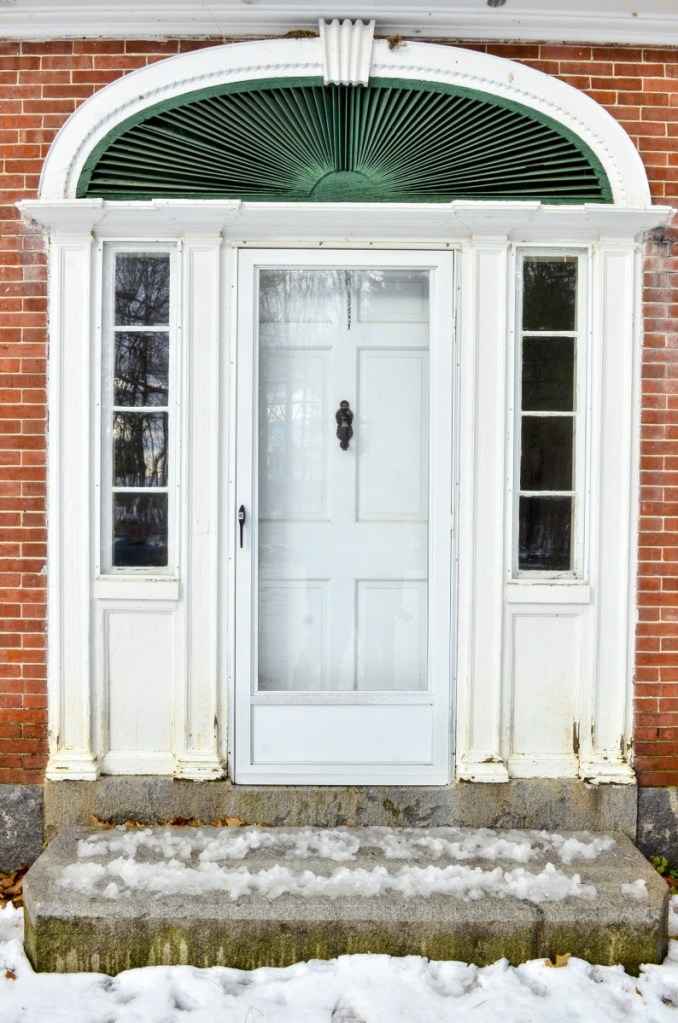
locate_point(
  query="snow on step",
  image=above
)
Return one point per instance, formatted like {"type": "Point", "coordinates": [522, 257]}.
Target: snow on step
{"type": "Point", "coordinates": [112, 899]}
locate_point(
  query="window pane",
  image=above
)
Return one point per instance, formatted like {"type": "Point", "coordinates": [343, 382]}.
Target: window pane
{"type": "Point", "coordinates": [139, 449]}
{"type": "Point", "coordinates": [141, 369]}
{"type": "Point", "coordinates": [549, 293]}
{"type": "Point", "coordinates": [140, 530]}
{"type": "Point", "coordinates": [141, 289]}
{"type": "Point", "coordinates": [548, 374]}
{"type": "Point", "coordinates": [545, 533]}
{"type": "Point", "coordinates": [546, 455]}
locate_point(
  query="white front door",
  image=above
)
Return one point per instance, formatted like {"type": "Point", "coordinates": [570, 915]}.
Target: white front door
{"type": "Point", "coordinates": [344, 488]}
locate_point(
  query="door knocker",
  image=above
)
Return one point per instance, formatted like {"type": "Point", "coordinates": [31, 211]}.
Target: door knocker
{"type": "Point", "coordinates": [344, 419]}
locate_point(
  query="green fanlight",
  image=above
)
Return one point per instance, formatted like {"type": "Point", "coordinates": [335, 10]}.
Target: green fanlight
{"type": "Point", "coordinates": [287, 140]}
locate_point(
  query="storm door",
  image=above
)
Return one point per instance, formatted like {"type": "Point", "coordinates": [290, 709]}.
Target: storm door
{"type": "Point", "coordinates": [343, 517]}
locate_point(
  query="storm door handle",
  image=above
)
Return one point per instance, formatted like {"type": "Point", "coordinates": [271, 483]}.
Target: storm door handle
{"type": "Point", "coordinates": [242, 515]}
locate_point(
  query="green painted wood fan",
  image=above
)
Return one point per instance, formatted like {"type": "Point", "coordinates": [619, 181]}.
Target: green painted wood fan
{"type": "Point", "coordinates": [295, 140]}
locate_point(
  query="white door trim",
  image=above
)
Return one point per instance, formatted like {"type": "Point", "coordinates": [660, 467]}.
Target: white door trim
{"type": "Point", "coordinates": [439, 770]}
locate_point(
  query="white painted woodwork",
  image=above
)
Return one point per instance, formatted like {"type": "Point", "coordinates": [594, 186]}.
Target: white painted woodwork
{"type": "Point", "coordinates": [196, 695]}
{"type": "Point", "coordinates": [341, 549]}
{"type": "Point", "coordinates": [482, 552]}
{"type": "Point", "coordinates": [533, 658]}
{"type": "Point", "coordinates": [347, 51]}
{"type": "Point", "coordinates": [494, 687]}
{"type": "Point", "coordinates": [70, 507]}
{"type": "Point", "coordinates": [139, 679]}
{"type": "Point", "coordinates": [652, 22]}
{"type": "Point", "coordinates": [545, 689]}
{"type": "Point", "coordinates": [283, 58]}
{"type": "Point", "coordinates": [391, 741]}
{"type": "Point", "coordinates": [615, 427]}
{"type": "Point", "coordinates": [346, 225]}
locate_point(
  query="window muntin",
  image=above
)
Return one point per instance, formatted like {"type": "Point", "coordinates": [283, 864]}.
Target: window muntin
{"type": "Point", "coordinates": [139, 422]}
{"type": "Point", "coordinates": [549, 390]}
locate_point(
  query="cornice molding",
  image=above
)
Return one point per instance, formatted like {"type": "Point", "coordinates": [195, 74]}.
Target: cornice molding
{"type": "Point", "coordinates": [652, 22]}
{"type": "Point", "coordinates": [362, 223]}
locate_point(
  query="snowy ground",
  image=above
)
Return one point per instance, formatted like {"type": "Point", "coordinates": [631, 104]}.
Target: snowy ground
{"type": "Point", "coordinates": [352, 989]}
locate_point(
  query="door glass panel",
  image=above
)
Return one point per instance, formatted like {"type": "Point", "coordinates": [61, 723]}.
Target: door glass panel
{"type": "Point", "coordinates": [343, 521]}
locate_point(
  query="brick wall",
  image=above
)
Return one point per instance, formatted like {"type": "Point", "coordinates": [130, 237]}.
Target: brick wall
{"type": "Point", "coordinates": [40, 85]}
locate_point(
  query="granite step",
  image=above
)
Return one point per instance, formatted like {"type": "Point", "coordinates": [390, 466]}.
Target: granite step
{"type": "Point", "coordinates": [108, 900]}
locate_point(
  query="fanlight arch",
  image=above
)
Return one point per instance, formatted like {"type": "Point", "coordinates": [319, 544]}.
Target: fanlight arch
{"type": "Point", "coordinates": [253, 121]}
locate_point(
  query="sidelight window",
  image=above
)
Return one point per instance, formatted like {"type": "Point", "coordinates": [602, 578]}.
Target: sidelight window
{"type": "Point", "coordinates": [138, 421]}
{"type": "Point", "coordinates": [549, 429]}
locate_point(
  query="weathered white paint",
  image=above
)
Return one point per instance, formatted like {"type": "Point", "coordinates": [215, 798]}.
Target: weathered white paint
{"type": "Point", "coordinates": [482, 555]}
{"type": "Point", "coordinates": [614, 429]}
{"type": "Point", "coordinates": [347, 51]}
{"type": "Point", "coordinates": [544, 691]}
{"type": "Point", "coordinates": [308, 225]}
{"type": "Point", "coordinates": [649, 22]}
{"type": "Point", "coordinates": [70, 507]}
{"type": "Point", "coordinates": [139, 678]}
{"type": "Point", "coordinates": [196, 696]}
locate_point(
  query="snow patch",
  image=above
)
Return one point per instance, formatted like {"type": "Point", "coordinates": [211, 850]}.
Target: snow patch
{"type": "Point", "coordinates": [636, 890]}
{"type": "Point", "coordinates": [123, 876]}
{"type": "Point", "coordinates": [341, 844]}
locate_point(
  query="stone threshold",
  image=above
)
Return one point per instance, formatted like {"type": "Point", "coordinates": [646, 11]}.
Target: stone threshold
{"type": "Point", "coordinates": [541, 803]}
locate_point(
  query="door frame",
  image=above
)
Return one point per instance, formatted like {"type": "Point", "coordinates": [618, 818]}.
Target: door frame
{"type": "Point", "coordinates": [443, 490]}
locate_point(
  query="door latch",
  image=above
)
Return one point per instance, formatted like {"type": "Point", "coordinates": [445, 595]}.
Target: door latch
{"type": "Point", "coordinates": [242, 515]}
{"type": "Point", "coordinates": [344, 418]}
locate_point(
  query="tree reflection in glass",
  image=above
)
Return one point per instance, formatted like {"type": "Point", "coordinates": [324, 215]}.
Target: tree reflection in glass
{"type": "Point", "coordinates": [140, 449]}
{"type": "Point", "coordinates": [141, 288]}
{"type": "Point", "coordinates": [140, 530]}
{"type": "Point", "coordinates": [139, 411]}
{"type": "Point", "coordinates": [141, 369]}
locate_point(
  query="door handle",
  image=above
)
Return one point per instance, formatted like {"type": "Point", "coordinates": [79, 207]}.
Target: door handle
{"type": "Point", "coordinates": [242, 515]}
{"type": "Point", "coordinates": [344, 418]}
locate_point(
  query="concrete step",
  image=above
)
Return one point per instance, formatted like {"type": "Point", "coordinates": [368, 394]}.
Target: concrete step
{"type": "Point", "coordinates": [112, 899]}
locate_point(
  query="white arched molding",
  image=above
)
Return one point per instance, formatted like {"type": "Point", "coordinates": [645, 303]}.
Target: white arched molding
{"type": "Point", "coordinates": [283, 58]}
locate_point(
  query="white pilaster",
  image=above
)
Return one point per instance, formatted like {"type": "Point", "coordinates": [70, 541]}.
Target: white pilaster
{"type": "Point", "coordinates": [197, 696]}
{"type": "Point", "coordinates": [481, 538]}
{"type": "Point", "coordinates": [614, 432]}
{"type": "Point", "coordinates": [70, 534]}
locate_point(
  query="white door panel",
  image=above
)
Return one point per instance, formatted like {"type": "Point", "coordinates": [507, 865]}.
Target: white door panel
{"type": "Point", "coordinates": [341, 549]}
{"type": "Point", "coordinates": [381, 736]}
